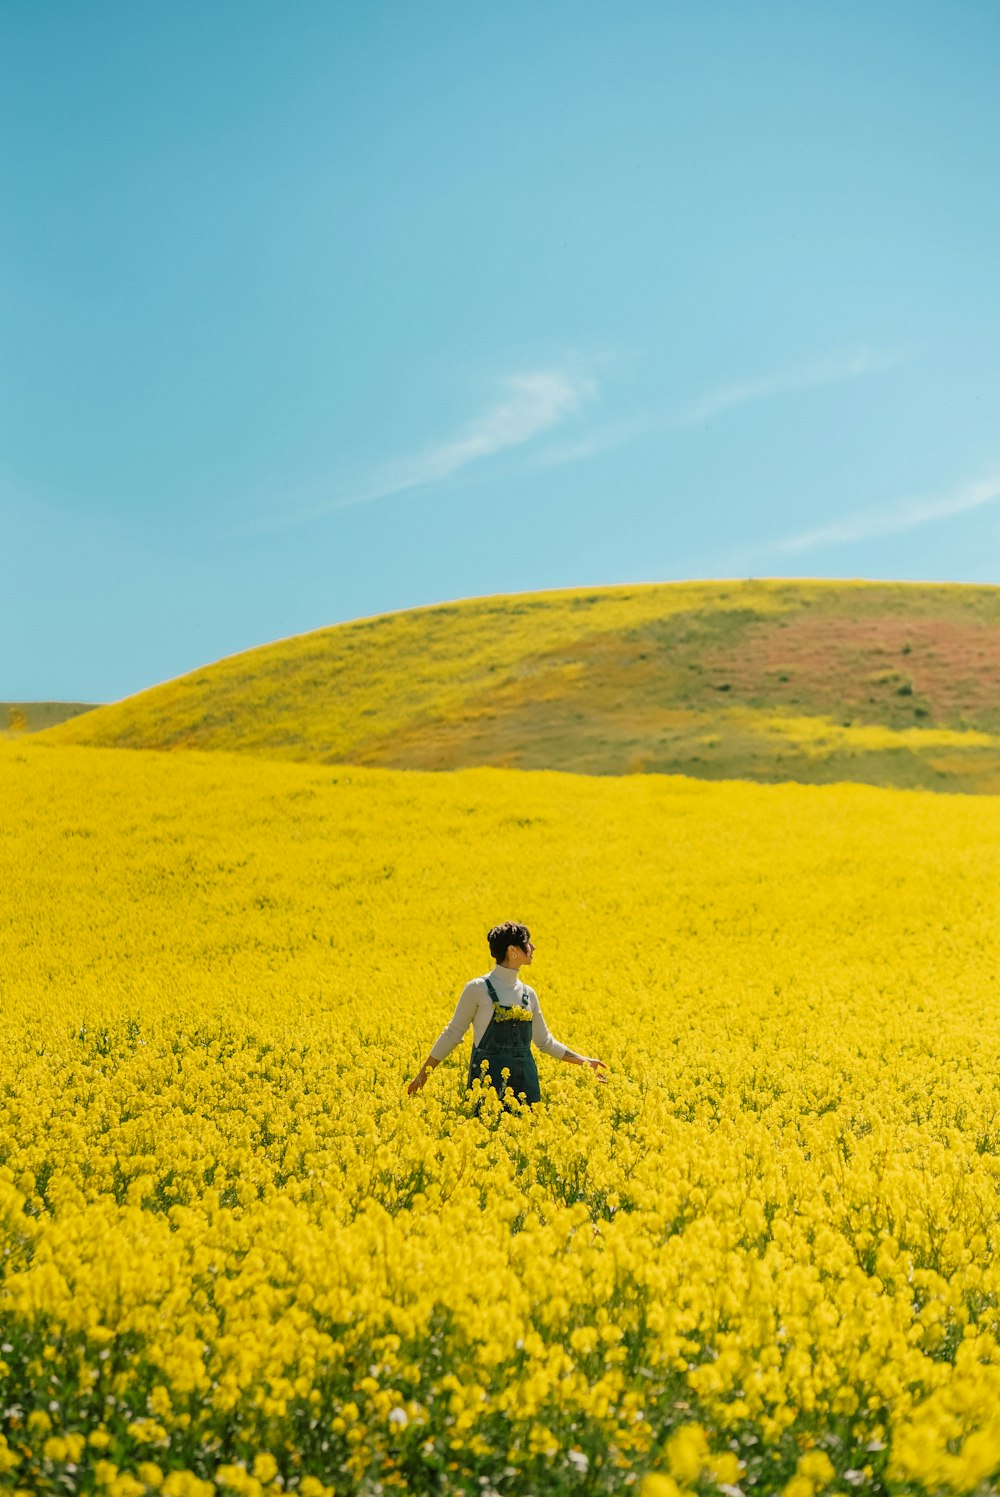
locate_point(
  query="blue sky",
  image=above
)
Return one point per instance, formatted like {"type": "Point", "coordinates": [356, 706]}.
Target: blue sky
{"type": "Point", "coordinates": [316, 310]}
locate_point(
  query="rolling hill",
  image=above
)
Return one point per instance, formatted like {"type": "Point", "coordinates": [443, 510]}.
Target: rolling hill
{"type": "Point", "coordinates": [883, 683]}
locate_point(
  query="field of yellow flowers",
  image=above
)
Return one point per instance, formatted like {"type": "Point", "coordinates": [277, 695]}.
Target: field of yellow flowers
{"type": "Point", "coordinates": [238, 1259]}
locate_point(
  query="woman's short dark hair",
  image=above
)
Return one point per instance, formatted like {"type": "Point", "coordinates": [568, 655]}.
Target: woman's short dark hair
{"type": "Point", "coordinates": [508, 934]}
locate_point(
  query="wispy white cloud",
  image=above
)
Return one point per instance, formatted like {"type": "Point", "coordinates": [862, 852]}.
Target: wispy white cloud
{"type": "Point", "coordinates": [600, 439]}
{"type": "Point", "coordinates": [834, 369]}
{"type": "Point", "coordinates": [529, 403]}
{"type": "Point", "coordinates": [890, 519]}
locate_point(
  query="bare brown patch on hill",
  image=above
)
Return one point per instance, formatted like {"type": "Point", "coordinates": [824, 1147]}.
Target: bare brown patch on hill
{"type": "Point", "coordinates": [938, 672]}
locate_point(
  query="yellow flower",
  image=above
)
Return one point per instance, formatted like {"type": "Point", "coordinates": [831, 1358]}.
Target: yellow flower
{"type": "Point", "coordinates": [8, 1458]}
{"type": "Point", "coordinates": [125, 1485]}
{"type": "Point", "coordinates": [816, 1466]}
{"type": "Point", "coordinates": [658, 1485]}
{"type": "Point", "coordinates": [687, 1453]}
{"type": "Point", "coordinates": [265, 1467]}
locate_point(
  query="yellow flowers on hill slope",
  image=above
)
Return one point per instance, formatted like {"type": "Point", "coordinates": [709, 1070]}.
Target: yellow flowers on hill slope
{"type": "Point", "coordinates": [238, 1259]}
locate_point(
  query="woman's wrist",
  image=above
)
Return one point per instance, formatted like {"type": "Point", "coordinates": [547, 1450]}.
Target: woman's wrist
{"type": "Point", "coordinates": [584, 1060]}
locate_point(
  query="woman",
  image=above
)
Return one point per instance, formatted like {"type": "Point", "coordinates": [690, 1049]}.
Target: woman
{"type": "Point", "coordinates": [505, 1018]}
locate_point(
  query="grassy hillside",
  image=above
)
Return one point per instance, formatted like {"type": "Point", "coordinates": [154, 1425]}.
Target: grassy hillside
{"type": "Point", "coordinates": [886, 683]}
{"type": "Point", "coordinates": [32, 717]}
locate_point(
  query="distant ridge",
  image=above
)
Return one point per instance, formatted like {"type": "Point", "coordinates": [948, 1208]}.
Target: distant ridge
{"type": "Point", "coordinates": [886, 683]}
{"type": "Point", "coordinates": [32, 717]}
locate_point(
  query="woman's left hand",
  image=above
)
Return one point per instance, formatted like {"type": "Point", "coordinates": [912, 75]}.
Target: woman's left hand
{"type": "Point", "coordinates": [596, 1065]}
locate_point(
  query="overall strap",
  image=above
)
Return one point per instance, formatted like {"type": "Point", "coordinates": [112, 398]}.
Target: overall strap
{"type": "Point", "coordinates": [493, 996]}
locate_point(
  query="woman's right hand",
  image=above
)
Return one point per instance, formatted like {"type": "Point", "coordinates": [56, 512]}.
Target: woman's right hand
{"type": "Point", "coordinates": [429, 1065]}
{"type": "Point", "coordinates": [418, 1082]}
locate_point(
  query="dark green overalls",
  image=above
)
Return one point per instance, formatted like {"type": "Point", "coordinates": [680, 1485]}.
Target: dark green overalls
{"type": "Point", "coordinates": [506, 1045]}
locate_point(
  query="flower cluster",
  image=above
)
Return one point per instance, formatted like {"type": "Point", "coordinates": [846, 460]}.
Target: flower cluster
{"type": "Point", "coordinates": [238, 1258]}
{"type": "Point", "coordinates": [502, 1013]}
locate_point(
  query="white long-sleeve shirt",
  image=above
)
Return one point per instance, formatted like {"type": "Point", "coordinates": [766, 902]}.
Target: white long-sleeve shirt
{"type": "Point", "coordinates": [475, 1007]}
